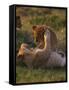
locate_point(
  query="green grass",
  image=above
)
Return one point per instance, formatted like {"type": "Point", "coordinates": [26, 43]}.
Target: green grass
{"type": "Point", "coordinates": [55, 18]}
{"type": "Point", "coordinates": [25, 75]}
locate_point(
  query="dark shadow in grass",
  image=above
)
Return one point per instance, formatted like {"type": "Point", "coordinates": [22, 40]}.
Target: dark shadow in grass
{"type": "Point", "coordinates": [21, 64]}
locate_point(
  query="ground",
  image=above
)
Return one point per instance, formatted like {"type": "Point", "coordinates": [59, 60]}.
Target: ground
{"type": "Point", "coordinates": [56, 19]}
{"type": "Point", "coordinates": [25, 75]}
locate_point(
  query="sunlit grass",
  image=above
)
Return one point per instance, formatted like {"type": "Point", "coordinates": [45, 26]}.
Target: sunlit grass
{"type": "Point", "coordinates": [55, 19]}
{"type": "Point", "coordinates": [25, 75]}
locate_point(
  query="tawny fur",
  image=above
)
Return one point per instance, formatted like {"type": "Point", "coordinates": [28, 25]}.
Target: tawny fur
{"type": "Point", "coordinates": [56, 60]}
{"type": "Point", "coordinates": [38, 33]}
{"type": "Point", "coordinates": [42, 58]}
{"type": "Point", "coordinates": [37, 57]}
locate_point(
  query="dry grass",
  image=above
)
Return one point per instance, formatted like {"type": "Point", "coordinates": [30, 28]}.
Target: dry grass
{"type": "Point", "coordinates": [55, 18]}
{"type": "Point", "coordinates": [24, 75]}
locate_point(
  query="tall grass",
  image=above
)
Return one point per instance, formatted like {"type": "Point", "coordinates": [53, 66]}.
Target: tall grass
{"type": "Point", "coordinates": [25, 75]}
{"type": "Point", "coordinates": [56, 19]}
{"type": "Point", "coordinates": [55, 22]}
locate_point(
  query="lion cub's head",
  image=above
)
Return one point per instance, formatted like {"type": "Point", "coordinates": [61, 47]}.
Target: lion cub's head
{"type": "Point", "coordinates": [38, 33]}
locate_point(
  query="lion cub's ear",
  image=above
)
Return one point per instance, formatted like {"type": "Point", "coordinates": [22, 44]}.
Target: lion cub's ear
{"type": "Point", "coordinates": [34, 27]}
